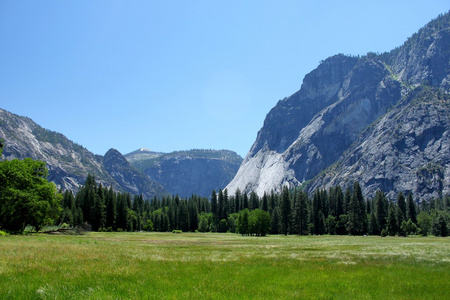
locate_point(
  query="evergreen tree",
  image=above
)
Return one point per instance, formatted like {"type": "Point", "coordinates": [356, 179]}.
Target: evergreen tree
{"type": "Point", "coordinates": [316, 211]}
{"type": "Point", "coordinates": [193, 216]}
{"type": "Point", "coordinates": [391, 223]}
{"type": "Point", "coordinates": [226, 205]}
{"type": "Point", "coordinates": [411, 209]}
{"type": "Point", "coordinates": [237, 201]}
{"type": "Point", "coordinates": [339, 199]}
{"type": "Point", "coordinates": [356, 212]}
{"type": "Point", "coordinates": [111, 209]}
{"type": "Point", "coordinates": [275, 219]}
{"type": "Point", "coordinates": [303, 210]}
{"type": "Point", "coordinates": [439, 226]}
{"type": "Point", "coordinates": [373, 224]}
{"type": "Point", "coordinates": [244, 201]}
{"type": "Point", "coordinates": [122, 212]}
{"type": "Point", "coordinates": [381, 211]}
{"type": "Point", "coordinates": [265, 202]}
{"type": "Point", "coordinates": [347, 198]}
{"type": "Point", "coordinates": [285, 210]}
{"type": "Point", "coordinates": [214, 210]}
{"type": "Point", "coordinates": [220, 206]}
{"type": "Point", "coordinates": [254, 201]}
{"type": "Point", "coordinates": [183, 217]}
{"type": "Point", "coordinates": [98, 210]}
{"type": "Point", "coordinates": [401, 209]}
{"type": "Point", "coordinates": [243, 225]}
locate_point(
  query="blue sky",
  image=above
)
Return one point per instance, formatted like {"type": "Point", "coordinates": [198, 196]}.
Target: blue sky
{"type": "Point", "coordinates": [179, 75]}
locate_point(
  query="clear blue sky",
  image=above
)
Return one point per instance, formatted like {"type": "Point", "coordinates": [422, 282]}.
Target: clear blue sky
{"type": "Point", "coordinates": [179, 75]}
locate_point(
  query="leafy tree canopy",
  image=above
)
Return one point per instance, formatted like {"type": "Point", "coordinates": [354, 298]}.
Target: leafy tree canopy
{"type": "Point", "coordinates": [26, 196]}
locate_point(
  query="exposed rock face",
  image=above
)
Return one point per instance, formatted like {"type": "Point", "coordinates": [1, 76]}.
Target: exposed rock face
{"type": "Point", "coordinates": [184, 173]}
{"type": "Point", "coordinates": [129, 178]}
{"type": "Point", "coordinates": [407, 150]}
{"type": "Point", "coordinates": [305, 134]}
{"type": "Point", "coordinates": [188, 172]}
{"type": "Point", "coordinates": [68, 163]}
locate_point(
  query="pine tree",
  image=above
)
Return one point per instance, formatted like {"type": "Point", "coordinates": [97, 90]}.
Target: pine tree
{"type": "Point", "coordinates": [226, 205]}
{"type": "Point", "coordinates": [391, 223]}
{"type": "Point", "coordinates": [401, 209]}
{"type": "Point", "coordinates": [254, 201]}
{"type": "Point", "coordinates": [122, 212]}
{"type": "Point", "coordinates": [356, 212]}
{"type": "Point", "coordinates": [339, 199]}
{"type": "Point", "coordinates": [243, 222]}
{"type": "Point", "coordinates": [373, 224]}
{"type": "Point", "coordinates": [316, 211]}
{"type": "Point", "coordinates": [214, 210]}
{"type": "Point", "coordinates": [265, 202]}
{"type": "Point", "coordinates": [244, 201]}
{"type": "Point", "coordinates": [220, 206]}
{"type": "Point", "coordinates": [347, 198]}
{"type": "Point", "coordinates": [111, 209]}
{"type": "Point", "coordinates": [411, 209]}
{"type": "Point", "coordinates": [275, 220]}
{"type": "Point", "coordinates": [381, 211]}
{"type": "Point", "coordinates": [237, 201]}
{"type": "Point", "coordinates": [285, 210]}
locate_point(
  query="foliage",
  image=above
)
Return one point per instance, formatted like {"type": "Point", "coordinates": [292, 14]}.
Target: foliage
{"type": "Point", "coordinates": [292, 212]}
{"type": "Point", "coordinates": [26, 196]}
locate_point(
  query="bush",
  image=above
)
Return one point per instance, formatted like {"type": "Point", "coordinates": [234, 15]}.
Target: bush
{"type": "Point", "coordinates": [149, 225]}
{"type": "Point", "coordinates": [2, 233]}
{"type": "Point", "coordinates": [383, 233]}
{"type": "Point", "coordinates": [64, 226]}
{"type": "Point", "coordinates": [176, 231]}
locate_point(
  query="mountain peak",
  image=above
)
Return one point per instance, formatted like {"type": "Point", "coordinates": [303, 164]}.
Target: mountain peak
{"type": "Point", "coordinates": [313, 129]}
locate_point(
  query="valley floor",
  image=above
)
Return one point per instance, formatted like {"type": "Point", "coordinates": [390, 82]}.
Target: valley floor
{"type": "Point", "coordinates": [222, 266]}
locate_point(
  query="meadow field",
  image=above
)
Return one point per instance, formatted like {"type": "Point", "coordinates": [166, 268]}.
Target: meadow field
{"type": "Point", "coordinates": [222, 266]}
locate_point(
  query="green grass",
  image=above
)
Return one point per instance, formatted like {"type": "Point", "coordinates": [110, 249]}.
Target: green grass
{"type": "Point", "coordinates": [222, 266]}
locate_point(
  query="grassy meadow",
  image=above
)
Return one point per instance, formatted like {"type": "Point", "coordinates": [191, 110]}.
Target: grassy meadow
{"type": "Point", "coordinates": [222, 266]}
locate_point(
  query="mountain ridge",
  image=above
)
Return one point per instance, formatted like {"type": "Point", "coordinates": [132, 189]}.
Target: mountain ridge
{"type": "Point", "coordinates": [306, 133]}
{"type": "Point", "coordinates": [69, 163]}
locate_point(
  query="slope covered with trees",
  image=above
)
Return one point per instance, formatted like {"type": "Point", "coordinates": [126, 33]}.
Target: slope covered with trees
{"type": "Point", "coordinates": [332, 211]}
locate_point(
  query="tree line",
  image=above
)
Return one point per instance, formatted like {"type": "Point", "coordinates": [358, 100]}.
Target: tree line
{"type": "Point", "coordinates": [333, 211]}
{"type": "Point", "coordinates": [27, 198]}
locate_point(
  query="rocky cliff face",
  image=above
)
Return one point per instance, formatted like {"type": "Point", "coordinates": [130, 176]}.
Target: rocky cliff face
{"type": "Point", "coordinates": [68, 163]}
{"type": "Point", "coordinates": [129, 178]}
{"type": "Point", "coordinates": [317, 127]}
{"type": "Point", "coordinates": [407, 150]}
{"type": "Point", "coordinates": [188, 172]}
{"type": "Point", "coordinates": [140, 172]}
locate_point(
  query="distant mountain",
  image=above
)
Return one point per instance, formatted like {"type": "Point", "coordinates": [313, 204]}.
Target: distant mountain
{"type": "Point", "coordinates": [129, 178]}
{"type": "Point", "coordinates": [188, 172]}
{"type": "Point", "coordinates": [380, 119]}
{"type": "Point", "coordinates": [68, 162]}
{"type": "Point", "coordinates": [140, 172]}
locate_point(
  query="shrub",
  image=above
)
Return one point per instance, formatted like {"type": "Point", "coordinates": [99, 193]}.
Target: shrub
{"type": "Point", "coordinates": [176, 231]}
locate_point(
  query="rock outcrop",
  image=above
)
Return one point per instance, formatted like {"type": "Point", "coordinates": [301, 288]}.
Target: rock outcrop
{"type": "Point", "coordinates": [188, 172]}
{"type": "Point", "coordinates": [140, 172]}
{"type": "Point", "coordinates": [314, 131]}
{"type": "Point", "coordinates": [68, 162]}
{"type": "Point", "coordinates": [129, 178]}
